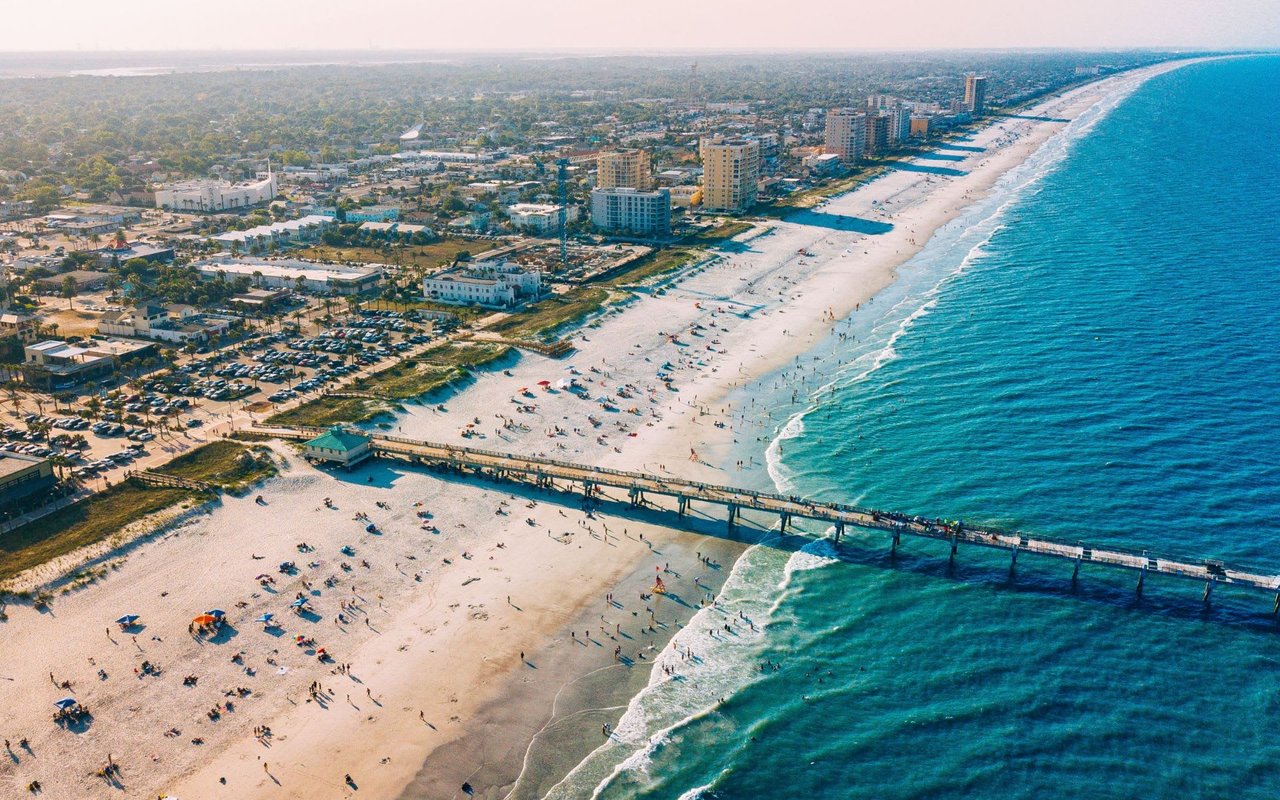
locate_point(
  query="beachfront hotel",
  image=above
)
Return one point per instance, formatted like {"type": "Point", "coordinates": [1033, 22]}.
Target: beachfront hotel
{"type": "Point", "coordinates": [975, 94]}
{"type": "Point", "coordinates": [623, 169]}
{"type": "Point", "coordinates": [626, 209]}
{"type": "Point", "coordinates": [846, 134]}
{"type": "Point", "coordinates": [730, 173]}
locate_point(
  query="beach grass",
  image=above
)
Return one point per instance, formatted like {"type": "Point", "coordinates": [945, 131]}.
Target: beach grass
{"type": "Point", "coordinates": [326, 411]}
{"type": "Point", "coordinates": [428, 255]}
{"type": "Point", "coordinates": [230, 465]}
{"type": "Point", "coordinates": [88, 522]}
{"type": "Point", "coordinates": [433, 369]}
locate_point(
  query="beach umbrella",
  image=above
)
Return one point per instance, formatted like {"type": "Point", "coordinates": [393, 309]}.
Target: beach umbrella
{"type": "Point", "coordinates": [127, 619]}
{"type": "Point", "coordinates": [65, 703]}
{"type": "Point", "coordinates": [544, 383]}
{"type": "Point", "coordinates": [204, 619]}
{"type": "Point", "coordinates": [265, 619]}
{"type": "Point", "coordinates": [217, 612]}
{"type": "Point", "coordinates": [299, 603]}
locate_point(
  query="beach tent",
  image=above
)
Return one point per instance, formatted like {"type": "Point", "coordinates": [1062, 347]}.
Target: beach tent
{"type": "Point", "coordinates": [66, 702]}
{"type": "Point", "coordinates": [128, 619]}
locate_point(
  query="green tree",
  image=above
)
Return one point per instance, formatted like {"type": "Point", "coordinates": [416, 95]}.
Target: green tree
{"type": "Point", "coordinates": [69, 288]}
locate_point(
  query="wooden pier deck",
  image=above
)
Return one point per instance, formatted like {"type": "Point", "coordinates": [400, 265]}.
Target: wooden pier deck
{"type": "Point", "coordinates": [638, 485]}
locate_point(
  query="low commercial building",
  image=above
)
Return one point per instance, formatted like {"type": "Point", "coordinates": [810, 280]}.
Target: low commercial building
{"type": "Point", "coordinates": [174, 323]}
{"type": "Point", "coordinates": [396, 228]}
{"type": "Point", "coordinates": [262, 237]}
{"type": "Point", "coordinates": [57, 365]}
{"type": "Point", "coordinates": [823, 165]}
{"type": "Point", "coordinates": [539, 217]}
{"type": "Point", "coordinates": [498, 284]}
{"type": "Point", "coordinates": [23, 478]}
{"type": "Point", "coordinates": [86, 280]}
{"type": "Point", "coordinates": [363, 213]}
{"type": "Point", "coordinates": [208, 195]}
{"type": "Point", "coordinates": [259, 299]}
{"type": "Point", "coordinates": [632, 210]}
{"type": "Point", "coordinates": [131, 250]}
{"type": "Point", "coordinates": [287, 273]}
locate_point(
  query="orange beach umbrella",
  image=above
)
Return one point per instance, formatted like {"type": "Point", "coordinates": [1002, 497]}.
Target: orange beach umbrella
{"type": "Point", "coordinates": [204, 619]}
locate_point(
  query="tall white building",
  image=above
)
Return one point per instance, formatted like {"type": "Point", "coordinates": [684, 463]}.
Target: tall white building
{"type": "Point", "coordinates": [626, 209]}
{"type": "Point", "coordinates": [899, 123]}
{"type": "Point", "coordinates": [846, 134]}
{"type": "Point", "coordinates": [208, 195]}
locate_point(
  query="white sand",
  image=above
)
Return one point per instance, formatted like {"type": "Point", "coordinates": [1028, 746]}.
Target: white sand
{"type": "Point", "coordinates": [447, 646]}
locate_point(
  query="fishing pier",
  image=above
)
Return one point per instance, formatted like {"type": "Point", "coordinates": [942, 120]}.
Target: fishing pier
{"type": "Point", "coordinates": [639, 487]}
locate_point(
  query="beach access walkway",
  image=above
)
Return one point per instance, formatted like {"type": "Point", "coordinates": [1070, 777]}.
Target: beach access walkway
{"type": "Point", "coordinates": [639, 486]}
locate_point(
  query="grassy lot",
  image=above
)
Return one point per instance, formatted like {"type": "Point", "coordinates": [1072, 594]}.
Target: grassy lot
{"type": "Point", "coordinates": [228, 464]}
{"type": "Point", "coordinates": [556, 311]}
{"type": "Point", "coordinates": [716, 235]}
{"type": "Point", "coordinates": [427, 255]}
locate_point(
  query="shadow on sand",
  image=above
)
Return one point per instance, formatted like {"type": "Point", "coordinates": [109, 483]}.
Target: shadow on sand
{"type": "Point", "coordinates": [1032, 117]}
{"type": "Point", "coordinates": [839, 222]}
{"type": "Point", "coordinates": [930, 169]}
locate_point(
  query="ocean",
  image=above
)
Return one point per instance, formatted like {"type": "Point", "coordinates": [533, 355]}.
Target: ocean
{"type": "Point", "coordinates": [1091, 352]}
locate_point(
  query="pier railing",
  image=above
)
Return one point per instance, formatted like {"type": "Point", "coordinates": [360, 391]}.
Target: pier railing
{"type": "Point", "coordinates": [545, 471]}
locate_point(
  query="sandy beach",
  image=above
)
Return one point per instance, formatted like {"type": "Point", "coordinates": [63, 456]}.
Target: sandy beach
{"type": "Point", "coordinates": [492, 632]}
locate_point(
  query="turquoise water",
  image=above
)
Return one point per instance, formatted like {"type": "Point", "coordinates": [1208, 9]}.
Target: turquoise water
{"type": "Point", "coordinates": [1092, 353]}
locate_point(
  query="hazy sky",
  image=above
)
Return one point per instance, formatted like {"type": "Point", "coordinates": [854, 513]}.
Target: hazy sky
{"type": "Point", "coordinates": [632, 24]}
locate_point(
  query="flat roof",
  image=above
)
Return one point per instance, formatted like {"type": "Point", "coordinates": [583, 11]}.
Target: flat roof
{"type": "Point", "coordinates": [291, 269]}
{"type": "Point", "coordinates": [11, 463]}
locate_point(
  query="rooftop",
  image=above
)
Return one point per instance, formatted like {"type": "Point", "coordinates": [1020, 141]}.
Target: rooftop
{"type": "Point", "coordinates": [336, 438]}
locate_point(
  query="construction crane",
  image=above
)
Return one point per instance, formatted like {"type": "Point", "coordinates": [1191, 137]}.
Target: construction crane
{"type": "Point", "coordinates": [562, 175]}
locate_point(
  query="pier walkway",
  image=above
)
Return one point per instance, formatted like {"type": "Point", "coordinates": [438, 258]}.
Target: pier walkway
{"type": "Point", "coordinates": [839, 517]}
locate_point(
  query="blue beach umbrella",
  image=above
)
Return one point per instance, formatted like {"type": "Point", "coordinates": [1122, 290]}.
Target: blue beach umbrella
{"type": "Point", "coordinates": [265, 618]}
{"type": "Point", "coordinates": [299, 603]}
{"type": "Point", "coordinates": [127, 619]}
{"type": "Point", "coordinates": [217, 612]}
{"type": "Point", "coordinates": [65, 703]}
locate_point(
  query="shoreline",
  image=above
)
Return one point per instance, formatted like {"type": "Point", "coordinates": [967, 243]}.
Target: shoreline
{"type": "Point", "coordinates": [446, 646]}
